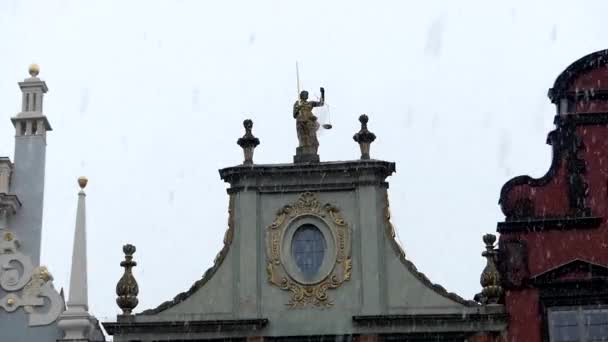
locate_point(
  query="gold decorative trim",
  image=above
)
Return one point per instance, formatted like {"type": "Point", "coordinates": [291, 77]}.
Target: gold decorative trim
{"type": "Point", "coordinates": [303, 295]}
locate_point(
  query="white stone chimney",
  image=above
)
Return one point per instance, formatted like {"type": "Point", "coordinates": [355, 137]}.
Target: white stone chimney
{"type": "Point", "coordinates": [27, 178]}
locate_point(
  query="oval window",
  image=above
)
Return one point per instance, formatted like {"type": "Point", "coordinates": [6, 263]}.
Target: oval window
{"type": "Point", "coordinates": [308, 249]}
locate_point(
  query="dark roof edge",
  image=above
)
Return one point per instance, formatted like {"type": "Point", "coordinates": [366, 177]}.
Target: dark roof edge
{"type": "Point", "coordinates": [536, 224]}
{"type": "Point", "coordinates": [593, 60]}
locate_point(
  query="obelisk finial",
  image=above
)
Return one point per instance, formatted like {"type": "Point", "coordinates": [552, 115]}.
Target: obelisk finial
{"type": "Point", "coordinates": [76, 320]}
{"type": "Point", "coordinates": [82, 182]}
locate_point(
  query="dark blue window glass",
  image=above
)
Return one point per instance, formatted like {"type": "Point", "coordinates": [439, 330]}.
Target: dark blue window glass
{"type": "Point", "coordinates": [308, 248]}
{"type": "Point", "coordinates": [582, 323]}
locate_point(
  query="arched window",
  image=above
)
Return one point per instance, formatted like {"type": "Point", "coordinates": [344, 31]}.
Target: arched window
{"type": "Point", "coordinates": [308, 249]}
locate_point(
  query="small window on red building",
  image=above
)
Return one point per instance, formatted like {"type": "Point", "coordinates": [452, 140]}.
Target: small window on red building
{"type": "Point", "coordinates": [578, 324]}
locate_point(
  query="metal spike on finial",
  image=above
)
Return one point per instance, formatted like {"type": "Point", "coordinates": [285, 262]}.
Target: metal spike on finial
{"type": "Point", "coordinates": [364, 137]}
{"type": "Point", "coordinates": [248, 142]}
{"type": "Point", "coordinates": [34, 70]}
{"type": "Point", "coordinates": [492, 290]}
{"type": "Point", "coordinates": [127, 288]}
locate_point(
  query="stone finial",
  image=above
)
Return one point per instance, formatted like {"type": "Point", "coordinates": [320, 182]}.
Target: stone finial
{"type": "Point", "coordinates": [492, 290]}
{"type": "Point", "coordinates": [248, 142]}
{"type": "Point", "coordinates": [364, 137]}
{"type": "Point", "coordinates": [127, 288]}
{"type": "Point", "coordinates": [34, 70]}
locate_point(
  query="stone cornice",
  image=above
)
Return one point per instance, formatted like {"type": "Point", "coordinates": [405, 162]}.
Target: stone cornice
{"type": "Point", "coordinates": [9, 202]}
{"type": "Point", "coordinates": [131, 327]}
{"type": "Point", "coordinates": [354, 171]}
{"type": "Point", "coordinates": [474, 321]}
{"type": "Point", "coordinates": [32, 116]}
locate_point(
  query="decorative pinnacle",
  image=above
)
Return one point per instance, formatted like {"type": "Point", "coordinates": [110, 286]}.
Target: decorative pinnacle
{"type": "Point", "coordinates": [129, 250]}
{"type": "Point", "coordinates": [489, 240]}
{"type": "Point", "coordinates": [363, 119]}
{"type": "Point", "coordinates": [82, 182]}
{"type": "Point", "coordinates": [248, 139]}
{"type": "Point", "coordinates": [492, 290]}
{"type": "Point", "coordinates": [127, 288]}
{"type": "Point", "coordinates": [34, 70]}
{"type": "Point", "coordinates": [364, 137]}
{"type": "Point", "coordinates": [248, 142]}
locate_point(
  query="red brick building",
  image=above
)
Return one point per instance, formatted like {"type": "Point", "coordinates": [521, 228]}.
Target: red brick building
{"type": "Point", "coordinates": [553, 253]}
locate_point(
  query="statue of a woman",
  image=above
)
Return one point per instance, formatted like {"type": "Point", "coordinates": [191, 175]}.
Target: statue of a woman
{"type": "Point", "coordinates": [306, 122]}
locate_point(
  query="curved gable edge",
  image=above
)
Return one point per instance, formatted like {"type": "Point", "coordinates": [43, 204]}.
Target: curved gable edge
{"type": "Point", "coordinates": [533, 182]}
{"type": "Point", "coordinates": [396, 247]}
{"type": "Point", "coordinates": [591, 61]}
{"type": "Point", "coordinates": [217, 262]}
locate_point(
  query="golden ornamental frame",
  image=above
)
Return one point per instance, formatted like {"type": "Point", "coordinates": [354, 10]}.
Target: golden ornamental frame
{"type": "Point", "coordinates": [315, 294]}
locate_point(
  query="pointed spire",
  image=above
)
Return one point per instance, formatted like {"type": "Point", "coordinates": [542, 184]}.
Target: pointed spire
{"type": "Point", "coordinates": [78, 296]}
{"type": "Point", "coordinates": [76, 320]}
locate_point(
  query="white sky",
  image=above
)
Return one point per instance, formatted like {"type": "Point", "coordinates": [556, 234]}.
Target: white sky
{"type": "Point", "coordinates": [147, 98]}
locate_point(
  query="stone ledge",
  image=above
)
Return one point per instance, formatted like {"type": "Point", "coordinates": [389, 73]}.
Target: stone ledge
{"type": "Point", "coordinates": [548, 223]}
{"type": "Point", "coordinates": [9, 202]}
{"type": "Point", "coordinates": [128, 326]}
{"type": "Point", "coordinates": [494, 320]}
{"type": "Point", "coordinates": [343, 170]}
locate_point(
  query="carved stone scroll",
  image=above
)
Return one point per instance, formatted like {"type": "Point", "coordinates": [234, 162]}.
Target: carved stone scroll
{"type": "Point", "coordinates": [26, 286]}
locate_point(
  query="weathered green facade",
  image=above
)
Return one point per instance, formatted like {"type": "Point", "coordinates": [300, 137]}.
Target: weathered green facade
{"type": "Point", "coordinates": [364, 287]}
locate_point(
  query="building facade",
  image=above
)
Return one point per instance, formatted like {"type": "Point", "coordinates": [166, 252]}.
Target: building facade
{"type": "Point", "coordinates": [310, 252]}
{"type": "Point", "coordinates": [31, 308]}
{"type": "Point", "coordinates": [554, 240]}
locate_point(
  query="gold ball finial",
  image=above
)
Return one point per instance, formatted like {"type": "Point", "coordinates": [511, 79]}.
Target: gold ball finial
{"type": "Point", "coordinates": [34, 70]}
{"type": "Point", "coordinates": [82, 182]}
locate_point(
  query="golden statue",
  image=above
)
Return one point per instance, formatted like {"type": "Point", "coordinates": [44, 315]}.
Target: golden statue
{"type": "Point", "coordinates": [306, 122]}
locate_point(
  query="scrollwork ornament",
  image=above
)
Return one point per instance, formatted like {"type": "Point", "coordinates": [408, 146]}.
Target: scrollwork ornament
{"type": "Point", "coordinates": [27, 286]}
{"type": "Point", "coordinates": [12, 276]}
{"type": "Point", "coordinates": [41, 286]}
{"type": "Point", "coordinates": [303, 295]}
